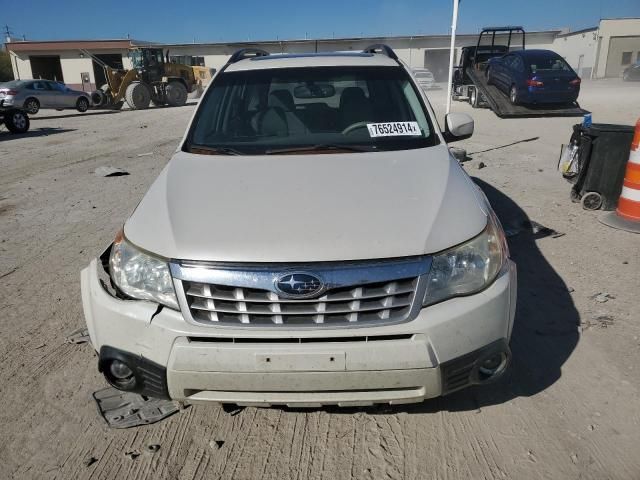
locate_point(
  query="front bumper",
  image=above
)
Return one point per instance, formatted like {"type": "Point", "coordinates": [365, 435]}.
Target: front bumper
{"type": "Point", "coordinates": [435, 353]}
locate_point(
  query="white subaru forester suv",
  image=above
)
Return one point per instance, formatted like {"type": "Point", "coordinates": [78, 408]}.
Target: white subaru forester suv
{"type": "Point", "coordinates": [312, 241]}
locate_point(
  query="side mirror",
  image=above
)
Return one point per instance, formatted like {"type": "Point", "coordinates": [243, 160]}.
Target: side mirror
{"type": "Point", "coordinates": [457, 126]}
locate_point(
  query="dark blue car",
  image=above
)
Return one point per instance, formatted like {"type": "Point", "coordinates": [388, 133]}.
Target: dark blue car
{"type": "Point", "coordinates": [534, 77]}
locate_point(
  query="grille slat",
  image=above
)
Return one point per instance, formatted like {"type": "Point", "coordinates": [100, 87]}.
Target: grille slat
{"type": "Point", "coordinates": [195, 290]}
{"type": "Point", "coordinates": [220, 304]}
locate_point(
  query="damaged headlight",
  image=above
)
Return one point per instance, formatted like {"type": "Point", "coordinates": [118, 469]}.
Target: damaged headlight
{"type": "Point", "coordinates": [468, 268]}
{"type": "Point", "coordinates": [140, 275]}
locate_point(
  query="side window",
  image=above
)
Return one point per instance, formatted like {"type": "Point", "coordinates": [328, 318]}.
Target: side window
{"type": "Point", "coordinates": [518, 64]}
{"type": "Point", "coordinates": [39, 86]}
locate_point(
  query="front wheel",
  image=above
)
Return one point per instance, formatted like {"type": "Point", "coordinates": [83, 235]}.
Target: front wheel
{"type": "Point", "coordinates": [138, 96]}
{"type": "Point", "coordinates": [176, 94]}
{"type": "Point", "coordinates": [82, 105]}
{"type": "Point", "coordinates": [32, 105]}
{"type": "Point", "coordinates": [513, 95]}
{"type": "Point", "coordinates": [17, 121]}
{"type": "Point", "coordinates": [473, 98]}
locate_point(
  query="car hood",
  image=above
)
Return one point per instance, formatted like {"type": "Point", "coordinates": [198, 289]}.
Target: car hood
{"type": "Point", "coordinates": [303, 208]}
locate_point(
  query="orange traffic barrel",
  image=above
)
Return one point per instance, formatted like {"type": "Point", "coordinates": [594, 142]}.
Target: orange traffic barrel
{"type": "Point", "coordinates": [627, 215]}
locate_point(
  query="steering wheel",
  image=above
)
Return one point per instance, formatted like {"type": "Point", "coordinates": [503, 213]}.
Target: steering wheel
{"type": "Point", "coordinates": [353, 127]}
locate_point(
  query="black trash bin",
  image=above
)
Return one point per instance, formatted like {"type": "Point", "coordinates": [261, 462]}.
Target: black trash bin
{"type": "Point", "coordinates": [603, 151]}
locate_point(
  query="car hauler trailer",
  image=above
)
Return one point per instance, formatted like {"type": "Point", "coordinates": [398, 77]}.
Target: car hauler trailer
{"type": "Point", "coordinates": [470, 80]}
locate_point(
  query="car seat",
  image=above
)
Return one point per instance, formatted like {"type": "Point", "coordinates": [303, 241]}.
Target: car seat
{"type": "Point", "coordinates": [284, 100]}
{"type": "Point", "coordinates": [354, 107]}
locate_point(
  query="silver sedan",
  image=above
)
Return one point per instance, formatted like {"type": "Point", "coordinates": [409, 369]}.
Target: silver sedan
{"type": "Point", "coordinates": [32, 95]}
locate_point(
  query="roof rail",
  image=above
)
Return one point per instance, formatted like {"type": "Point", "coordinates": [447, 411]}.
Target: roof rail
{"type": "Point", "coordinates": [502, 29]}
{"type": "Point", "coordinates": [247, 53]}
{"type": "Point", "coordinates": [381, 48]}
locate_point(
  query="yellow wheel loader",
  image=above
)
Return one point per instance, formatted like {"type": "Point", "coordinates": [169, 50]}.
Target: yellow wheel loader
{"type": "Point", "coordinates": [152, 79]}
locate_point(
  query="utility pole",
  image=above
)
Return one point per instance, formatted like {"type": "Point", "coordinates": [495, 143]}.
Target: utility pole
{"type": "Point", "coordinates": [454, 24]}
{"type": "Point", "coordinates": [7, 34]}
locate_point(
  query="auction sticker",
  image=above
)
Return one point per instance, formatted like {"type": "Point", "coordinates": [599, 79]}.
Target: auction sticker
{"type": "Point", "coordinates": [393, 129]}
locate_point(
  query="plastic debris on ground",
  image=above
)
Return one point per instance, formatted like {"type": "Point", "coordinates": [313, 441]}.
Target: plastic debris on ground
{"type": "Point", "coordinates": [536, 229]}
{"type": "Point", "coordinates": [110, 172]}
{"type": "Point", "coordinates": [126, 409]}
{"type": "Point", "coordinates": [78, 336]}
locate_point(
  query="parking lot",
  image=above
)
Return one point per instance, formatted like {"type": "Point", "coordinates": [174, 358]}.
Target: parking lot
{"type": "Point", "coordinates": [569, 407]}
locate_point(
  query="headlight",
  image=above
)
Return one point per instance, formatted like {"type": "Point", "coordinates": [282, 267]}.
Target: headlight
{"type": "Point", "coordinates": [140, 275]}
{"type": "Point", "coordinates": [468, 268]}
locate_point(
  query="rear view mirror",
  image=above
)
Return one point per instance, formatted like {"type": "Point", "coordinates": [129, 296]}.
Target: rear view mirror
{"type": "Point", "coordinates": [314, 90]}
{"type": "Point", "coordinates": [458, 126]}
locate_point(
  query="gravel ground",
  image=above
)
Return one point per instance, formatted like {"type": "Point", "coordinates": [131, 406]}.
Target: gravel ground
{"type": "Point", "coordinates": [569, 407]}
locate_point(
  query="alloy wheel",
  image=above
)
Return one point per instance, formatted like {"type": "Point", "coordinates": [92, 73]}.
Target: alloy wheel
{"type": "Point", "coordinates": [19, 120]}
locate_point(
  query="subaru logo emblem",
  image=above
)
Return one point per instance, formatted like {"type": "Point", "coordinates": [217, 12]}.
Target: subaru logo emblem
{"type": "Point", "coordinates": [299, 285]}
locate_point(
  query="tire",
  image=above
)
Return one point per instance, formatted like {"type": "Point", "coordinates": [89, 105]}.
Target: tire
{"type": "Point", "coordinates": [32, 105]}
{"type": "Point", "coordinates": [176, 94]}
{"type": "Point", "coordinates": [489, 78]}
{"type": "Point", "coordinates": [473, 98]}
{"type": "Point", "coordinates": [513, 95]}
{"type": "Point", "coordinates": [138, 96]}
{"type": "Point", "coordinates": [17, 121]}
{"type": "Point", "coordinates": [82, 105]}
{"type": "Point", "coordinates": [98, 98]}
{"type": "Point", "coordinates": [591, 201]}
{"type": "Point", "coordinates": [117, 106]}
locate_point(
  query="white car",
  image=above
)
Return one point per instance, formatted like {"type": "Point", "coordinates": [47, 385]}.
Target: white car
{"type": "Point", "coordinates": [424, 78]}
{"type": "Point", "coordinates": [311, 242]}
{"type": "Point", "coordinates": [33, 95]}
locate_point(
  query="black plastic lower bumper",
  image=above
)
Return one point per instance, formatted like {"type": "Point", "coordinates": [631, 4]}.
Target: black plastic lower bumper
{"type": "Point", "coordinates": [150, 378]}
{"type": "Point", "coordinates": [464, 371]}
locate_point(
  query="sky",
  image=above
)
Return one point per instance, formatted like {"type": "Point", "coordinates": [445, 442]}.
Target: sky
{"type": "Point", "coordinates": [180, 21]}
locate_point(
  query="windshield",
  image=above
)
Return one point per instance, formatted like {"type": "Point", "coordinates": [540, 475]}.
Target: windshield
{"type": "Point", "coordinates": [546, 63]}
{"type": "Point", "coordinates": [136, 58]}
{"type": "Point", "coordinates": [348, 108]}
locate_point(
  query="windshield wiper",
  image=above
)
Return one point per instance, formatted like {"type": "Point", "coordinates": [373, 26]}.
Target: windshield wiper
{"type": "Point", "coordinates": [320, 147]}
{"type": "Point", "coordinates": [206, 150]}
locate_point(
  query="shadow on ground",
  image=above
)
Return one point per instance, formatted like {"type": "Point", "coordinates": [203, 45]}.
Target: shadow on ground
{"type": "Point", "coordinates": [73, 115]}
{"type": "Point", "coordinates": [36, 132]}
{"type": "Point", "coordinates": [189, 103]}
{"type": "Point", "coordinates": [545, 331]}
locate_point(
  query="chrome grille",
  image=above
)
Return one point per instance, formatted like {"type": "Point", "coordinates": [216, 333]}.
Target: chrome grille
{"type": "Point", "coordinates": [354, 293]}
{"type": "Point", "coordinates": [223, 304]}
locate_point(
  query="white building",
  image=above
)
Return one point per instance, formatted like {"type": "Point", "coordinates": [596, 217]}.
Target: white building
{"type": "Point", "coordinates": [618, 46]}
{"type": "Point", "coordinates": [597, 52]}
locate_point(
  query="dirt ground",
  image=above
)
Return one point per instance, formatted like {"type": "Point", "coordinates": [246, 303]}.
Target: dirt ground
{"type": "Point", "coordinates": [569, 408]}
